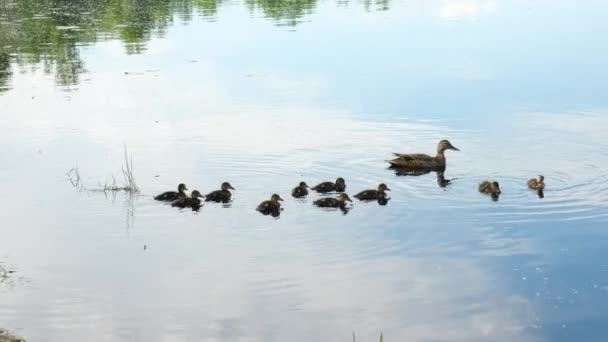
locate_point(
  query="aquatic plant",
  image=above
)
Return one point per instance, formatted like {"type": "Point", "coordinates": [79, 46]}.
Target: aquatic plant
{"type": "Point", "coordinates": [128, 182]}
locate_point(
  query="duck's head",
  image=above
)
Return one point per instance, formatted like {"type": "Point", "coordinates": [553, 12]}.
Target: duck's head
{"type": "Point", "coordinates": [540, 178]}
{"type": "Point", "coordinates": [182, 187]}
{"type": "Point", "coordinates": [496, 188]}
{"type": "Point", "coordinates": [445, 145]}
{"type": "Point", "coordinates": [382, 187]}
{"type": "Point", "coordinates": [226, 186]}
{"type": "Point", "coordinates": [303, 185]}
{"type": "Point", "coordinates": [344, 198]}
{"type": "Point", "coordinates": [340, 181]}
{"type": "Point", "coordinates": [276, 198]}
{"type": "Point", "coordinates": [196, 194]}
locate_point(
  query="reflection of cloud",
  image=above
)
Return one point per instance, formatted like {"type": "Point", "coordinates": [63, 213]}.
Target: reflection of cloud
{"type": "Point", "coordinates": [450, 9]}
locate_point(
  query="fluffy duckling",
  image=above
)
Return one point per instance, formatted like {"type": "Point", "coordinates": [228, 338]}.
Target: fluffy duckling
{"type": "Point", "coordinates": [373, 194]}
{"type": "Point", "coordinates": [172, 195]}
{"type": "Point", "coordinates": [271, 207]}
{"type": "Point", "coordinates": [300, 190]}
{"type": "Point", "coordinates": [338, 186]}
{"type": "Point", "coordinates": [491, 188]}
{"type": "Point", "coordinates": [222, 195]}
{"type": "Point", "coordinates": [331, 202]}
{"type": "Point", "coordinates": [189, 202]}
{"type": "Point", "coordinates": [537, 183]}
{"type": "Point", "coordinates": [423, 161]}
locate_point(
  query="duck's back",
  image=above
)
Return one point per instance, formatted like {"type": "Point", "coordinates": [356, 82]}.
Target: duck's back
{"type": "Point", "coordinates": [325, 187]}
{"type": "Point", "coordinates": [187, 202]}
{"type": "Point", "coordinates": [299, 191]}
{"type": "Point", "coordinates": [368, 195]}
{"type": "Point", "coordinates": [328, 202]}
{"type": "Point", "coordinates": [535, 184]}
{"type": "Point", "coordinates": [170, 196]}
{"type": "Point", "coordinates": [485, 187]}
{"type": "Point", "coordinates": [269, 207]}
{"type": "Point", "coordinates": [218, 196]}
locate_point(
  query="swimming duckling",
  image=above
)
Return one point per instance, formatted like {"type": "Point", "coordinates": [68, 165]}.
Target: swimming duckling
{"type": "Point", "coordinates": [331, 202]}
{"type": "Point", "coordinates": [424, 161]}
{"type": "Point", "coordinates": [172, 195]}
{"type": "Point", "coordinates": [300, 190]}
{"type": "Point", "coordinates": [373, 194]}
{"type": "Point", "coordinates": [537, 183]}
{"type": "Point", "coordinates": [271, 207]}
{"type": "Point", "coordinates": [222, 195]}
{"type": "Point", "coordinates": [338, 186]}
{"type": "Point", "coordinates": [491, 188]}
{"type": "Point", "coordinates": [189, 202]}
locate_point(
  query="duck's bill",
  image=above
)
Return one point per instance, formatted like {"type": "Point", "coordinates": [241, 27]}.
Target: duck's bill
{"type": "Point", "coordinates": [230, 187]}
{"type": "Point", "coordinates": [454, 148]}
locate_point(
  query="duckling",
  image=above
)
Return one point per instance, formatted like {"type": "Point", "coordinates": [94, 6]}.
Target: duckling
{"type": "Point", "coordinates": [172, 195]}
{"type": "Point", "coordinates": [373, 194]}
{"type": "Point", "coordinates": [222, 195]}
{"type": "Point", "coordinates": [423, 161]}
{"type": "Point", "coordinates": [271, 207]}
{"type": "Point", "coordinates": [338, 186]}
{"type": "Point", "coordinates": [189, 202]}
{"type": "Point", "coordinates": [491, 188]}
{"type": "Point", "coordinates": [537, 183]}
{"type": "Point", "coordinates": [331, 202]}
{"type": "Point", "coordinates": [300, 190]}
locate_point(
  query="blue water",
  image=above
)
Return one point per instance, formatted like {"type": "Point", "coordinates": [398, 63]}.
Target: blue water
{"type": "Point", "coordinates": [266, 94]}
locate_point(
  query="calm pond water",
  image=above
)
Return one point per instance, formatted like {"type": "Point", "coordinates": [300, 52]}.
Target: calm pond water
{"type": "Point", "coordinates": [265, 94]}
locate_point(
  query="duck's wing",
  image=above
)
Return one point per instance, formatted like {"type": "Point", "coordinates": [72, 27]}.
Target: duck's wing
{"type": "Point", "coordinates": [413, 163]}
{"type": "Point", "coordinates": [326, 202]}
{"type": "Point", "coordinates": [264, 206]}
{"type": "Point", "coordinates": [213, 196]}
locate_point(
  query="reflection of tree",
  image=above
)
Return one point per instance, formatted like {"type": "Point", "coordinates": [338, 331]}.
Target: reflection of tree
{"type": "Point", "coordinates": [48, 33]}
{"type": "Point", "coordinates": [288, 12]}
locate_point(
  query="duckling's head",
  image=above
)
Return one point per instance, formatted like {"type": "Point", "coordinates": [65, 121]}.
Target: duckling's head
{"type": "Point", "coordinates": [182, 187]}
{"type": "Point", "coordinates": [540, 178]}
{"type": "Point", "coordinates": [340, 181]}
{"type": "Point", "coordinates": [445, 145]}
{"type": "Point", "coordinates": [344, 198]}
{"type": "Point", "coordinates": [196, 194]}
{"type": "Point", "coordinates": [382, 187]}
{"type": "Point", "coordinates": [496, 187]}
{"type": "Point", "coordinates": [303, 185]}
{"type": "Point", "coordinates": [226, 186]}
{"type": "Point", "coordinates": [276, 198]}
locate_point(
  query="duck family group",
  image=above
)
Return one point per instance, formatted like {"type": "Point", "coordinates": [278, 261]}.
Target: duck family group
{"type": "Point", "coordinates": [414, 163]}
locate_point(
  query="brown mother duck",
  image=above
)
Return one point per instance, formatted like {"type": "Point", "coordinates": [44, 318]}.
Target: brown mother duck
{"type": "Point", "coordinates": [189, 202]}
{"type": "Point", "coordinates": [331, 202]}
{"type": "Point", "coordinates": [170, 196]}
{"type": "Point", "coordinates": [372, 194]}
{"type": "Point", "coordinates": [423, 161]}
{"type": "Point", "coordinates": [338, 186]}
{"type": "Point", "coordinates": [490, 188]}
{"type": "Point", "coordinates": [222, 195]}
{"type": "Point", "coordinates": [300, 190]}
{"type": "Point", "coordinates": [271, 207]}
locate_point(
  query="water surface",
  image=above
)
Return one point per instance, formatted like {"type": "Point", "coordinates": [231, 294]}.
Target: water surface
{"type": "Point", "coordinates": [265, 94]}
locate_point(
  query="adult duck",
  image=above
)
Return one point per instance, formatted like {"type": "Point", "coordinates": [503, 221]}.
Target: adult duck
{"type": "Point", "coordinates": [271, 207]}
{"type": "Point", "coordinates": [300, 191]}
{"type": "Point", "coordinates": [170, 196]}
{"type": "Point", "coordinates": [338, 186]}
{"type": "Point", "coordinates": [423, 161]}
{"type": "Point", "coordinates": [223, 195]}
{"type": "Point", "coordinates": [373, 194]}
{"type": "Point", "coordinates": [193, 201]}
